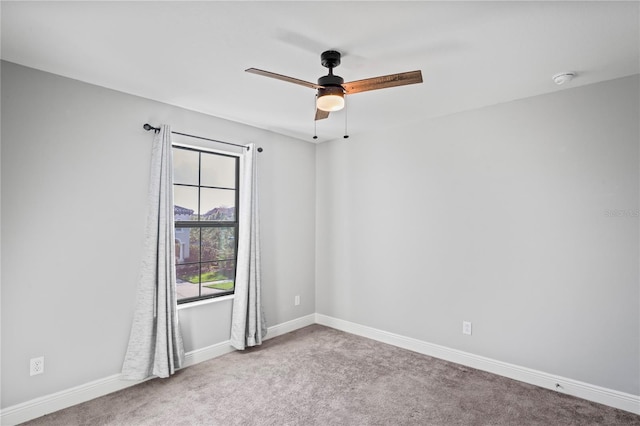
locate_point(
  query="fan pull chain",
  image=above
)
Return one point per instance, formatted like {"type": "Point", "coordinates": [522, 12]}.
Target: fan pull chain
{"type": "Point", "coordinates": [346, 133]}
{"type": "Point", "coordinates": [315, 122]}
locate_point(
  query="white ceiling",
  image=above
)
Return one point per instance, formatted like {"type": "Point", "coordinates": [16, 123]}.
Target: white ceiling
{"type": "Point", "coordinates": [193, 54]}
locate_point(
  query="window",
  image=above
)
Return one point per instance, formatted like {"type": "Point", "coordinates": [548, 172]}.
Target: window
{"type": "Point", "coordinates": [205, 196]}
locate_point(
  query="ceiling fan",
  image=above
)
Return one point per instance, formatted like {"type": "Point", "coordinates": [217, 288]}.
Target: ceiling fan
{"type": "Point", "coordinates": [332, 88]}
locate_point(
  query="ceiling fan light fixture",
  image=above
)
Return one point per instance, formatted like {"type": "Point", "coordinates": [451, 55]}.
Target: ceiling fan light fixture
{"type": "Point", "coordinates": [330, 99]}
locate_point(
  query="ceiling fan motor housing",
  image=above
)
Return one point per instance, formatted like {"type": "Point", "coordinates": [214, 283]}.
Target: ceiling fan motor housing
{"type": "Point", "coordinates": [330, 80]}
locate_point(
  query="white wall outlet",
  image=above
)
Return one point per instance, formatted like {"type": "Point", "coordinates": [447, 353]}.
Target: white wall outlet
{"type": "Point", "coordinates": [36, 366]}
{"type": "Point", "coordinates": [296, 300]}
{"type": "Point", "coordinates": [466, 327]}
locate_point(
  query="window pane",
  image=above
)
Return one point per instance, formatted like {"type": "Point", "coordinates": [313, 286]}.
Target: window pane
{"type": "Point", "coordinates": [218, 243]}
{"type": "Point", "coordinates": [187, 245]}
{"type": "Point", "coordinates": [217, 204]}
{"type": "Point", "coordinates": [218, 170]}
{"type": "Point", "coordinates": [185, 166]}
{"type": "Point", "coordinates": [218, 277]}
{"type": "Point", "coordinates": [205, 191]}
{"type": "Point", "coordinates": [185, 200]}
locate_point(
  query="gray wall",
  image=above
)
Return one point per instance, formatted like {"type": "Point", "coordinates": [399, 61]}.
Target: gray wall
{"type": "Point", "coordinates": [75, 164]}
{"type": "Point", "coordinates": [499, 216]}
{"type": "Point", "coordinates": [496, 216]}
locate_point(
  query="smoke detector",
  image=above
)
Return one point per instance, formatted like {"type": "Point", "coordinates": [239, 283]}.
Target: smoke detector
{"type": "Point", "coordinates": [563, 77]}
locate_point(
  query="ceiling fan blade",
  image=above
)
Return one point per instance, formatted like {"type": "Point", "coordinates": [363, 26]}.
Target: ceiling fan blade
{"type": "Point", "coordinates": [321, 115]}
{"type": "Point", "coordinates": [392, 80]}
{"type": "Point", "coordinates": [283, 78]}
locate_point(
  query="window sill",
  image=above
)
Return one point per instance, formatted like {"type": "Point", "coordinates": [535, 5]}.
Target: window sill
{"type": "Point", "coordinates": [205, 302]}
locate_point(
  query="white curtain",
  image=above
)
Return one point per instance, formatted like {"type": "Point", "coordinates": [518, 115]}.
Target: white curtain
{"type": "Point", "coordinates": [155, 343]}
{"type": "Point", "coordinates": [248, 326]}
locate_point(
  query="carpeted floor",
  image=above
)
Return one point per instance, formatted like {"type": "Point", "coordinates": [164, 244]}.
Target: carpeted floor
{"type": "Point", "coordinates": [321, 376]}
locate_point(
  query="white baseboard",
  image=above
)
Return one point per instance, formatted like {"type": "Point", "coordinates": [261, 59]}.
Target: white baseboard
{"type": "Point", "coordinates": [610, 397]}
{"type": "Point", "coordinates": [199, 355]}
{"type": "Point", "coordinates": [47, 404]}
{"type": "Point", "coordinates": [289, 326]}
{"type": "Point", "coordinates": [214, 351]}
{"type": "Point", "coordinates": [38, 407]}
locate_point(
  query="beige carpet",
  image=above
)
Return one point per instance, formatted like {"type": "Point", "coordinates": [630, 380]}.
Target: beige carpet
{"type": "Point", "coordinates": [321, 376]}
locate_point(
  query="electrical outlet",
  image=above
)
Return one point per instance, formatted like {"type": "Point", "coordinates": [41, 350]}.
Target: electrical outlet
{"type": "Point", "coordinates": [36, 366]}
{"type": "Point", "coordinates": [466, 327]}
{"type": "Point", "coordinates": [296, 300]}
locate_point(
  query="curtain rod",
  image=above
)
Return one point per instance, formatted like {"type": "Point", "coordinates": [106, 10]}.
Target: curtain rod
{"type": "Point", "coordinates": [148, 127]}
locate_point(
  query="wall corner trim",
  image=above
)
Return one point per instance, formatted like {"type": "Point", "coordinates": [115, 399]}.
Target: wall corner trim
{"type": "Point", "coordinates": [610, 397]}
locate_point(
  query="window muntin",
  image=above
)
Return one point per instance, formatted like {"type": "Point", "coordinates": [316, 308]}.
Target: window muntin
{"type": "Point", "coordinates": [206, 226]}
